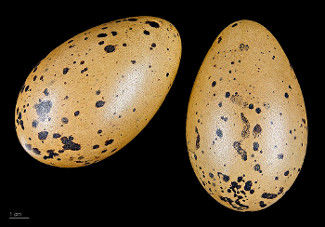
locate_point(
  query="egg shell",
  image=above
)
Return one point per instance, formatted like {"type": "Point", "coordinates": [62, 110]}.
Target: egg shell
{"type": "Point", "coordinates": [246, 124]}
{"type": "Point", "coordinates": [93, 94]}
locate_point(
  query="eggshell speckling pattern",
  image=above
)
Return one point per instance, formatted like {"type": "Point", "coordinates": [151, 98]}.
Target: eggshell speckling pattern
{"type": "Point", "coordinates": [94, 93]}
{"type": "Point", "coordinates": [246, 124]}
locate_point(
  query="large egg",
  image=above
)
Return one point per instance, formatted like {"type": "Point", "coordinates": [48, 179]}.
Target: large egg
{"type": "Point", "coordinates": [93, 94]}
{"type": "Point", "coordinates": [246, 123]}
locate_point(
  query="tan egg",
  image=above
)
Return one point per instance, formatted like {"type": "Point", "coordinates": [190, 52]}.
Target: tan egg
{"type": "Point", "coordinates": [246, 123]}
{"type": "Point", "coordinates": [94, 93]}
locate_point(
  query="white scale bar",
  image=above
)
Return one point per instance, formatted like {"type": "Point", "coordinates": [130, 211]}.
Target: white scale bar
{"type": "Point", "coordinates": [18, 217]}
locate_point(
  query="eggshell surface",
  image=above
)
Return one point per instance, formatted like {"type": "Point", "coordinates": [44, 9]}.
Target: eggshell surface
{"type": "Point", "coordinates": [93, 94]}
{"type": "Point", "coordinates": [246, 124]}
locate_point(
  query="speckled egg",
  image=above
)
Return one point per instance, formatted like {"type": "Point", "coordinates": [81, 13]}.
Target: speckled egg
{"type": "Point", "coordinates": [246, 124]}
{"type": "Point", "coordinates": [94, 93]}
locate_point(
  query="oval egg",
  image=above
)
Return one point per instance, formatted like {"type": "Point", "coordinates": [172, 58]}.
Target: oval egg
{"type": "Point", "coordinates": [94, 93]}
{"type": "Point", "coordinates": [246, 124]}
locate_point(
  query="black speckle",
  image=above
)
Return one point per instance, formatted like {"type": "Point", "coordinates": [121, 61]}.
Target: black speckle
{"type": "Point", "coordinates": [96, 146]}
{"type": "Point", "coordinates": [197, 143]}
{"type": "Point", "coordinates": [262, 204]}
{"type": "Point", "coordinates": [227, 95]}
{"type": "Point", "coordinates": [248, 186]}
{"type": "Point", "coordinates": [214, 83]}
{"type": "Point", "coordinates": [286, 95]}
{"type": "Point", "coordinates": [133, 61]}
{"type": "Point", "coordinates": [36, 151]}
{"type": "Point", "coordinates": [258, 110]}
{"type": "Point", "coordinates": [132, 19]}
{"type": "Point", "coordinates": [240, 150]}
{"type": "Point", "coordinates": [224, 176]}
{"type": "Point", "coordinates": [269, 195]}
{"type": "Point", "coordinates": [76, 113]}
{"type": "Point", "coordinates": [56, 135]}
{"type": "Point", "coordinates": [99, 131]}
{"type": "Point", "coordinates": [286, 173]}
{"type": "Point", "coordinates": [251, 106]}
{"type": "Point", "coordinates": [257, 130]}
{"type": "Point", "coordinates": [69, 145]}
{"type": "Point", "coordinates": [34, 123]}
{"type": "Point", "coordinates": [101, 43]}
{"type": "Point", "coordinates": [46, 92]}
{"type": "Point", "coordinates": [64, 120]}
{"type": "Point", "coordinates": [108, 142]}
{"type": "Point", "coordinates": [219, 39]}
{"type": "Point", "coordinates": [167, 74]}
{"type": "Point", "coordinates": [245, 132]}
{"type": "Point", "coordinates": [114, 33]}
{"type": "Point", "coordinates": [65, 71]}
{"type": "Point", "coordinates": [146, 32]}
{"type": "Point", "coordinates": [255, 146]}
{"type": "Point", "coordinates": [109, 48]}
{"type": "Point", "coordinates": [98, 92]}
{"type": "Point", "coordinates": [243, 46]}
{"type": "Point", "coordinates": [153, 24]}
{"type": "Point", "coordinates": [219, 133]}
{"type": "Point", "coordinates": [42, 135]}
{"type": "Point", "coordinates": [84, 70]}
{"type": "Point", "coordinates": [280, 156]}
{"type": "Point", "coordinates": [257, 167]}
{"type": "Point", "coordinates": [101, 35]}
{"type": "Point", "coordinates": [26, 88]}
{"type": "Point", "coordinates": [234, 25]}
{"type": "Point", "coordinates": [100, 103]}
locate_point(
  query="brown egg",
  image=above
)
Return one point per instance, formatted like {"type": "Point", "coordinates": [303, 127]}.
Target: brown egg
{"type": "Point", "coordinates": [94, 93]}
{"type": "Point", "coordinates": [246, 123]}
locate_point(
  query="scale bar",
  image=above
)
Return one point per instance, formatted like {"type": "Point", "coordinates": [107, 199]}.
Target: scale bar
{"type": "Point", "coordinates": [18, 218]}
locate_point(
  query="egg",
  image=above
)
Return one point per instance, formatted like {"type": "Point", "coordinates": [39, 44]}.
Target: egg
{"type": "Point", "coordinates": [246, 126]}
{"type": "Point", "coordinates": [94, 93]}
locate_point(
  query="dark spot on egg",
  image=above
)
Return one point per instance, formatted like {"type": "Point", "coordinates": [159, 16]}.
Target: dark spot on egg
{"type": "Point", "coordinates": [36, 151]}
{"type": "Point", "coordinates": [65, 71]}
{"type": "Point", "coordinates": [146, 32]}
{"type": "Point", "coordinates": [108, 142]}
{"type": "Point", "coordinates": [153, 24]}
{"type": "Point", "coordinates": [64, 120]}
{"type": "Point", "coordinates": [258, 110]}
{"type": "Point", "coordinates": [68, 144]}
{"type": "Point", "coordinates": [76, 113]}
{"type": "Point", "coordinates": [255, 146]}
{"type": "Point", "coordinates": [100, 103]}
{"type": "Point", "coordinates": [109, 48]}
{"type": "Point", "coordinates": [219, 133]}
{"type": "Point", "coordinates": [262, 204]}
{"type": "Point", "coordinates": [286, 95]}
{"type": "Point", "coordinates": [56, 135]}
{"type": "Point", "coordinates": [101, 35]}
{"type": "Point", "coordinates": [42, 135]}
{"type": "Point", "coordinates": [46, 92]}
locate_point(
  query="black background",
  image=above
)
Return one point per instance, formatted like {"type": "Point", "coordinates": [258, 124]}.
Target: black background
{"type": "Point", "coordinates": [151, 180]}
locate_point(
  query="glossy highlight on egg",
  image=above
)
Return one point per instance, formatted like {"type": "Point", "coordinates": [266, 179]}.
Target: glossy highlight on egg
{"type": "Point", "coordinates": [246, 126]}
{"type": "Point", "coordinates": [93, 94]}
